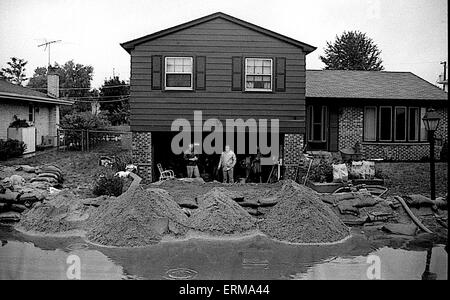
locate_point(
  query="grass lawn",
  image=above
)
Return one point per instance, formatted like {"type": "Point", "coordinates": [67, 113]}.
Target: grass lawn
{"type": "Point", "coordinates": [404, 178]}
{"type": "Point", "coordinates": [80, 169]}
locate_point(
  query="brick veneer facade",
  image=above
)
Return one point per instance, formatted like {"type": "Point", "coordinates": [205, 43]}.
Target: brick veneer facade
{"type": "Point", "coordinates": [142, 154]}
{"type": "Point", "coordinates": [292, 147]}
{"type": "Point", "coordinates": [351, 131]}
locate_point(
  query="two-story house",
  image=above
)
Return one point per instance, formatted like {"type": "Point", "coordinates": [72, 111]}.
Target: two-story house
{"type": "Point", "coordinates": [228, 68]}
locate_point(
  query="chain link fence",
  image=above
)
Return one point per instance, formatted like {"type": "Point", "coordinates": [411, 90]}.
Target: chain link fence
{"type": "Point", "coordinates": [89, 139]}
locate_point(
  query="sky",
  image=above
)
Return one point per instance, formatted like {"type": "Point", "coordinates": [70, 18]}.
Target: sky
{"type": "Point", "coordinates": [412, 34]}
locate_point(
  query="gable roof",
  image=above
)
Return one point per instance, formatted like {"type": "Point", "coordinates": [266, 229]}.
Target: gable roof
{"type": "Point", "coordinates": [370, 85]}
{"type": "Point", "coordinates": [128, 46]}
{"type": "Point", "coordinates": [18, 92]}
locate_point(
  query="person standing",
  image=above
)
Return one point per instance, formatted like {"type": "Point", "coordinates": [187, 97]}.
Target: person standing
{"type": "Point", "coordinates": [227, 162]}
{"type": "Point", "coordinates": [191, 162]}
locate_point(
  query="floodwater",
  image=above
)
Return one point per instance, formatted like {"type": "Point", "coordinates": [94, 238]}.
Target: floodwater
{"type": "Point", "coordinates": [26, 257]}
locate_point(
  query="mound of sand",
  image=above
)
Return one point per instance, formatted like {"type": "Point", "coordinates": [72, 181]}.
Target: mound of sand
{"type": "Point", "coordinates": [218, 213]}
{"type": "Point", "coordinates": [62, 212]}
{"type": "Point", "coordinates": [137, 218]}
{"type": "Point", "coordinates": [301, 217]}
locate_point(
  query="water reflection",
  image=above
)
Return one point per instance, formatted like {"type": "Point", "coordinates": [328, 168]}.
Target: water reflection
{"type": "Point", "coordinates": [254, 258]}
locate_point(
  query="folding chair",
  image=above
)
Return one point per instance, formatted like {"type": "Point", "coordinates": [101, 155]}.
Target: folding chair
{"type": "Point", "coordinates": [165, 174]}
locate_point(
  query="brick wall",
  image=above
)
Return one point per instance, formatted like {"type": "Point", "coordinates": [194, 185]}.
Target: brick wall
{"type": "Point", "coordinates": [292, 148]}
{"type": "Point", "coordinates": [350, 126]}
{"type": "Point", "coordinates": [142, 154]}
{"type": "Point", "coordinates": [351, 131]}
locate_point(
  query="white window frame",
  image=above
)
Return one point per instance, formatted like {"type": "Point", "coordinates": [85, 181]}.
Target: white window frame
{"type": "Point", "coordinates": [191, 73]}
{"type": "Point", "coordinates": [271, 75]}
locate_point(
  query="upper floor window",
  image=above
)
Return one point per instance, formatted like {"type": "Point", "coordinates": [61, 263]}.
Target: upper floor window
{"type": "Point", "coordinates": [258, 74]}
{"type": "Point", "coordinates": [178, 73]}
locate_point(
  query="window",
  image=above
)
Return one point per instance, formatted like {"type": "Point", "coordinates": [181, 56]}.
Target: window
{"type": "Point", "coordinates": [370, 123]}
{"type": "Point", "coordinates": [394, 124]}
{"type": "Point", "coordinates": [413, 124]}
{"type": "Point", "coordinates": [423, 131]}
{"type": "Point", "coordinates": [31, 113]}
{"type": "Point", "coordinates": [385, 123]}
{"type": "Point", "coordinates": [178, 72]}
{"type": "Point", "coordinates": [258, 74]}
{"type": "Point", "coordinates": [317, 116]}
{"type": "Point", "coordinates": [400, 124]}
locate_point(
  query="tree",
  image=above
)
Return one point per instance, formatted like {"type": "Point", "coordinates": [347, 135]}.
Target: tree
{"type": "Point", "coordinates": [352, 50]}
{"type": "Point", "coordinates": [74, 82]}
{"type": "Point", "coordinates": [15, 73]}
{"type": "Point", "coordinates": [111, 92]}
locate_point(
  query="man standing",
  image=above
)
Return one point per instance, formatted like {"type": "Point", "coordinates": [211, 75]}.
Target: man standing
{"type": "Point", "coordinates": [227, 162]}
{"type": "Point", "coordinates": [191, 162]}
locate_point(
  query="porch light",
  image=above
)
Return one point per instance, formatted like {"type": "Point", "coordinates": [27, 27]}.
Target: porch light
{"type": "Point", "coordinates": [431, 121]}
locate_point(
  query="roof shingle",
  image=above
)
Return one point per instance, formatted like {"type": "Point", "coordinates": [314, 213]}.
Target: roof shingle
{"type": "Point", "coordinates": [370, 85]}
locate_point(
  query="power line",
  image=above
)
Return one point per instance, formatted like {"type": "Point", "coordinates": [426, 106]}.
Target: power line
{"type": "Point", "coordinates": [84, 88]}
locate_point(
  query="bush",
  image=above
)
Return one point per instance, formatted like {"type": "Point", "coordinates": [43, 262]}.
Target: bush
{"type": "Point", "coordinates": [84, 120]}
{"type": "Point", "coordinates": [108, 184]}
{"type": "Point", "coordinates": [321, 171]}
{"type": "Point", "coordinates": [11, 148]}
{"type": "Point", "coordinates": [121, 161]}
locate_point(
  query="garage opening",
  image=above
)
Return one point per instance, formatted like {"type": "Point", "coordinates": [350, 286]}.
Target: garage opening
{"type": "Point", "coordinates": [247, 168]}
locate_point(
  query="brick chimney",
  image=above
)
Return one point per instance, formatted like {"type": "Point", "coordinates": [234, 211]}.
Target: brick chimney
{"type": "Point", "coordinates": [52, 83]}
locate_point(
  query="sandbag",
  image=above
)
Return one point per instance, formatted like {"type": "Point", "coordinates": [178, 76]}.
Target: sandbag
{"type": "Point", "coordinates": [50, 175]}
{"type": "Point", "coordinates": [402, 229]}
{"type": "Point", "coordinates": [346, 208]}
{"type": "Point", "coordinates": [268, 201]}
{"type": "Point", "coordinates": [9, 196]}
{"type": "Point", "coordinates": [18, 207]}
{"type": "Point", "coordinates": [419, 201]}
{"type": "Point", "coordinates": [26, 168]}
{"type": "Point", "coordinates": [247, 203]}
{"type": "Point", "coordinates": [45, 179]}
{"type": "Point", "coordinates": [10, 216]}
{"type": "Point", "coordinates": [187, 203]}
{"type": "Point", "coordinates": [253, 211]}
{"type": "Point", "coordinates": [340, 173]}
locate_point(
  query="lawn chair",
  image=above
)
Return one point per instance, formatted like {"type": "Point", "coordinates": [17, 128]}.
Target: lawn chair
{"type": "Point", "coordinates": [165, 174]}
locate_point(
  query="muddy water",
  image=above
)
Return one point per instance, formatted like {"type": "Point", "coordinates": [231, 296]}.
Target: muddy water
{"type": "Point", "coordinates": [25, 257]}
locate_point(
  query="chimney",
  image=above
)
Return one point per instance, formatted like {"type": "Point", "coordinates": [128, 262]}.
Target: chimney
{"type": "Point", "coordinates": [52, 83]}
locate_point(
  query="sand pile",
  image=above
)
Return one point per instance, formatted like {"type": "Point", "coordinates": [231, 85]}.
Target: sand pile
{"type": "Point", "coordinates": [219, 214]}
{"type": "Point", "coordinates": [138, 217]}
{"type": "Point", "coordinates": [62, 212]}
{"type": "Point", "coordinates": [301, 217]}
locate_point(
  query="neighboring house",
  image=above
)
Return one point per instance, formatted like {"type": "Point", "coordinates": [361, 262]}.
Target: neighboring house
{"type": "Point", "coordinates": [35, 107]}
{"type": "Point", "coordinates": [380, 110]}
{"type": "Point", "coordinates": [231, 69]}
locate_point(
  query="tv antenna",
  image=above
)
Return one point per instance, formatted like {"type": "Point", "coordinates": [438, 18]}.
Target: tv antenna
{"type": "Point", "coordinates": [47, 45]}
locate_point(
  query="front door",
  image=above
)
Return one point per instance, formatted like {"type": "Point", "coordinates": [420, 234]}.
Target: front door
{"type": "Point", "coordinates": [322, 127]}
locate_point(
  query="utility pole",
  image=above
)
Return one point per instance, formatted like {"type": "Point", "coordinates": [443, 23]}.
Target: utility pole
{"type": "Point", "coordinates": [445, 73]}
{"type": "Point", "coordinates": [47, 44]}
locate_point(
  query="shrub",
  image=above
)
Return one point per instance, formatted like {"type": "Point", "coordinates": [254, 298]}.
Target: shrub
{"type": "Point", "coordinates": [108, 184]}
{"type": "Point", "coordinates": [121, 161]}
{"type": "Point", "coordinates": [11, 148]}
{"type": "Point", "coordinates": [321, 171]}
{"type": "Point", "coordinates": [84, 120]}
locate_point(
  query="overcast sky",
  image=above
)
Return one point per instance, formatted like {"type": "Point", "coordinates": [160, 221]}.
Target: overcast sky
{"type": "Point", "coordinates": [412, 34]}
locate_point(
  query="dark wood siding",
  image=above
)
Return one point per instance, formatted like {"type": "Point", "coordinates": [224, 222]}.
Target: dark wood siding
{"type": "Point", "coordinates": [218, 41]}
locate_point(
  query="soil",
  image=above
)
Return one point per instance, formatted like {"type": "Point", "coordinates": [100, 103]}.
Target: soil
{"type": "Point", "coordinates": [302, 217]}
{"type": "Point", "coordinates": [138, 217]}
{"type": "Point", "coordinates": [219, 214]}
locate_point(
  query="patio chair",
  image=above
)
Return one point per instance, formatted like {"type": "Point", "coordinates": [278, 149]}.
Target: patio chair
{"type": "Point", "coordinates": [165, 174]}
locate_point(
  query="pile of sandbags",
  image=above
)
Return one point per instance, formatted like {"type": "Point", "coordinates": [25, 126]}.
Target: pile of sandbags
{"type": "Point", "coordinates": [50, 174]}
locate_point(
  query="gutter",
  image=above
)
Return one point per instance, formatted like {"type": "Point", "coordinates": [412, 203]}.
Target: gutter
{"type": "Point", "coordinates": [13, 96]}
